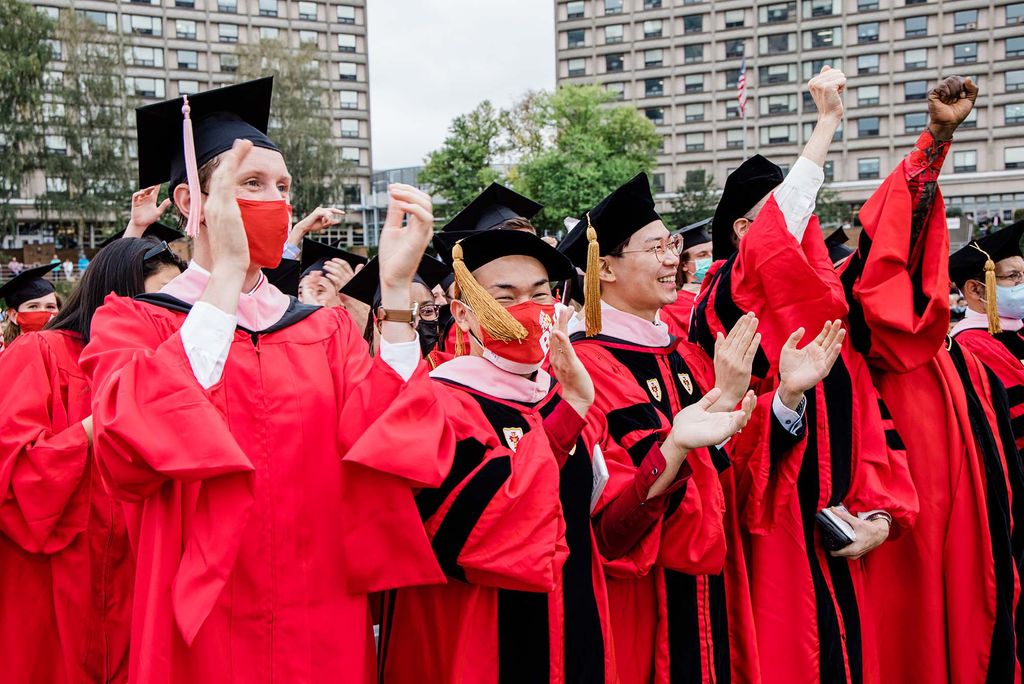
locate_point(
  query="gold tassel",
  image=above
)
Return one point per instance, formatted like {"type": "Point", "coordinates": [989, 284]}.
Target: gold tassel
{"type": "Point", "coordinates": [493, 317]}
{"type": "Point", "coordinates": [592, 283]}
{"type": "Point", "coordinates": [459, 348]}
{"type": "Point", "coordinates": [991, 307]}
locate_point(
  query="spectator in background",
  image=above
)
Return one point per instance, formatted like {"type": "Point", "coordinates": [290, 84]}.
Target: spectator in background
{"type": "Point", "coordinates": [15, 266]}
{"type": "Point", "coordinates": [83, 263]}
{"type": "Point", "coordinates": [69, 269]}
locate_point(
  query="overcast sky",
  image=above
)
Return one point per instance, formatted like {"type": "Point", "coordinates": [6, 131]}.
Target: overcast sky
{"type": "Point", "coordinates": [431, 60]}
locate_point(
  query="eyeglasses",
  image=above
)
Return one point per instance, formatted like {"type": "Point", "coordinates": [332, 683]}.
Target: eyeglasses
{"type": "Point", "coordinates": [1015, 277]}
{"type": "Point", "coordinates": [155, 251]}
{"type": "Point", "coordinates": [429, 312]}
{"type": "Point", "coordinates": [673, 244]}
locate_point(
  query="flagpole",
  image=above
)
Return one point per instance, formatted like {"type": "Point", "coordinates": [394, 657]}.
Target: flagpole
{"type": "Point", "coordinates": [742, 97]}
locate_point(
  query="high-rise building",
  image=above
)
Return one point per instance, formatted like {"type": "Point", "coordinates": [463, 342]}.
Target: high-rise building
{"type": "Point", "coordinates": [678, 62]}
{"type": "Point", "coordinates": [180, 47]}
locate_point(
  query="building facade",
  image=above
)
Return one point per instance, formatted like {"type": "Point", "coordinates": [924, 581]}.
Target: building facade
{"type": "Point", "coordinates": [678, 62]}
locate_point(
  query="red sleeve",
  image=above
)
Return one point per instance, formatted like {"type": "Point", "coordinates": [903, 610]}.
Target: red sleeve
{"type": "Point", "coordinates": [563, 427]}
{"type": "Point", "coordinates": [42, 457]}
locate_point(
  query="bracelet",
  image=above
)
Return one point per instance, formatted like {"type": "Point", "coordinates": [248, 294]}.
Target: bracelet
{"type": "Point", "coordinates": [880, 515]}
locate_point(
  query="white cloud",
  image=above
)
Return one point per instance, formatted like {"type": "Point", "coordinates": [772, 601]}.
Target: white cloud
{"type": "Point", "coordinates": [431, 60]}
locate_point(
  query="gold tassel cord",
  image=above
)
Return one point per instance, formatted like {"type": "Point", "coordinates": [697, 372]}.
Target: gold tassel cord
{"type": "Point", "coordinates": [592, 283]}
{"type": "Point", "coordinates": [493, 317]}
{"type": "Point", "coordinates": [991, 308]}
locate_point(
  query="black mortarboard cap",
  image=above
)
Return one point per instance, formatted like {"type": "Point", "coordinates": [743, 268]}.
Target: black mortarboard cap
{"type": "Point", "coordinates": [479, 248]}
{"type": "Point", "coordinates": [157, 231]}
{"type": "Point", "coordinates": [219, 117]}
{"type": "Point", "coordinates": [29, 284]}
{"type": "Point", "coordinates": [491, 207]}
{"type": "Point", "coordinates": [968, 263]}
{"type": "Point", "coordinates": [836, 245]}
{"type": "Point", "coordinates": [315, 254]}
{"type": "Point", "coordinates": [744, 188]}
{"type": "Point", "coordinates": [695, 234]}
{"type": "Point", "coordinates": [365, 285]}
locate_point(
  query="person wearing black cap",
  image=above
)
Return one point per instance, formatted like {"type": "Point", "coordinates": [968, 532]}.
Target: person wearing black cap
{"type": "Point", "coordinates": [325, 271]}
{"type": "Point", "coordinates": [31, 302]}
{"type": "Point", "coordinates": [68, 568]}
{"type": "Point", "coordinates": [835, 243]}
{"type": "Point", "coordinates": [694, 262]}
{"type": "Point", "coordinates": [645, 377]}
{"type": "Point", "coordinates": [496, 208]}
{"type": "Point", "coordinates": [236, 416]}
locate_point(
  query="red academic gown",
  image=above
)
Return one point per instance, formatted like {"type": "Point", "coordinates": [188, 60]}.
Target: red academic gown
{"type": "Point", "coordinates": [1003, 355]}
{"type": "Point", "coordinates": [809, 607]}
{"type": "Point", "coordinates": [677, 314]}
{"type": "Point", "coordinates": [256, 540]}
{"type": "Point", "coordinates": [66, 566]}
{"type": "Point", "coordinates": [954, 616]}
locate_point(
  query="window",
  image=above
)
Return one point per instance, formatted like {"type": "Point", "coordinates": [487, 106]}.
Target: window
{"type": "Point", "coordinates": [652, 4]}
{"type": "Point", "coordinates": [732, 110]}
{"type": "Point", "coordinates": [813, 67]}
{"type": "Point", "coordinates": [346, 42]}
{"type": "Point", "coordinates": [965, 53]}
{"type": "Point", "coordinates": [654, 58]}
{"type": "Point", "coordinates": [867, 33]}
{"type": "Point", "coordinates": [348, 71]}
{"type": "Point", "coordinates": [146, 87]}
{"type": "Point", "coordinates": [808, 101]}
{"type": "Point", "coordinates": [350, 154]}
{"type": "Point", "coordinates": [653, 29]}
{"type": "Point", "coordinates": [735, 18]}
{"type": "Point", "coordinates": [346, 14]}
{"type": "Point", "coordinates": [693, 54]}
{"type": "Point", "coordinates": [965, 161]}
{"type": "Point", "coordinates": [732, 78]}
{"type": "Point", "coordinates": [140, 25]}
{"type": "Point", "coordinates": [309, 37]}
{"type": "Point", "coordinates": [349, 128]}
{"type": "Point", "coordinates": [867, 5]}
{"type": "Point", "coordinates": [965, 20]}
{"type": "Point", "coordinates": [868, 95]}
{"type": "Point", "coordinates": [829, 171]}
{"type": "Point", "coordinates": [777, 44]}
{"type": "Point", "coordinates": [773, 105]}
{"type": "Point", "coordinates": [693, 83]}
{"type": "Point", "coordinates": [348, 99]}
{"type": "Point", "coordinates": [821, 8]}
{"type": "Point", "coordinates": [307, 10]}
{"type": "Point", "coordinates": [777, 13]}
{"type": "Point", "coordinates": [56, 144]}
{"type": "Point", "coordinates": [1015, 13]}
{"type": "Point", "coordinates": [613, 6]}
{"type": "Point", "coordinates": [618, 89]}
{"type": "Point", "coordinates": [735, 48]}
{"type": "Point", "coordinates": [51, 12]}
{"type": "Point", "coordinates": [229, 62]}
{"type": "Point", "coordinates": [1015, 46]}
{"type": "Point", "coordinates": [613, 62]}
{"type": "Point", "coordinates": [1014, 80]}
{"type": "Point", "coordinates": [694, 111]}
{"type": "Point", "coordinates": [269, 33]}
{"type": "Point", "coordinates": [654, 87]}
{"type": "Point", "coordinates": [577, 66]}
{"type": "Point", "coordinates": [822, 38]}
{"type": "Point", "coordinates": [915, 122]}
{"type": "Point", "coordinates": [188, 87]}
{"type": "Point", "coordinates": [734, 139]}
{"type": "Point", "coordinates": [227, 33]}
{"type": "Point", "coordinates": [915, 26]}
{"type": "Point", "coordinates": [868, 126]}
{"type": "Point", "coordinates": [105, 20]}
{"type": "Point", "coordinates": [915, 59]}
{"type": "Point", "coordinates": [867, 64]}
{"type": "Point", "coordinates": [655, 115]}
{"type": "Point", "coordinates": [868, 168]}
{"type": "Point", "coordinates": [1013, 157]}
{"type": "Point", "coordinates": [1014, 113]}
{"type": "Point", "coordinates": [268, 8]}
{"type": "Point", "coordinates": [188, 59]}
{"type": "Point", "coordinates": [576, 38]}
{"type": "Point", "coordinates": [777, 73]}
{"type": "Point", "coordinates": [778, 135]}
{"type": "Point", "coordinates": [613, 33]}
{"type": "Point", "coordinates": [693, 23]}
{"type": "Point", "coordinates": [145, 56]}
{"type": "Point", "coordinates": [972, 119]}
{"type": "Point", "coordinates": [658, 182]}
{"type": "Point", "coordinates": [227, 6]}
{"type": "Point", "coordinates": [55, 48]}
{"type": "Point", "coordinates": [575, 10]}
{"type": "Point", "coordinates": [53, 111]}
{"type": "Point", "coordinates": [56, 185]}
{"type": "Point", "coordinates": [694, 142]}
{"type": "Point", "coordinates": [915, 90]}
{"type": "Point", "coordinates": [184, 28]}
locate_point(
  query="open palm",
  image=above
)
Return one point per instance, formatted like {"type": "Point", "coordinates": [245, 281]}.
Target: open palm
{"type": "Point", "coordinates": [401, 248]}
{"type": "Point", "coordinates": [696, 426]}
{"type": "Point", "coordinates": [802, 369]}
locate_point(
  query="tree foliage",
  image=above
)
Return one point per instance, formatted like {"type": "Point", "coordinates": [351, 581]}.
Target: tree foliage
{"type": "Point", "coordinates": [830, 210]}
{"type": "Point", "coordinates": [695, 200]}
{"type": "Point", "coordinates": [300, 123]}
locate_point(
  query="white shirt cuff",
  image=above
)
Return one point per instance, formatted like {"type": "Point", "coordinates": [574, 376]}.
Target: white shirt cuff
{"type": "Point", "coordinates": [403, 357]}
{"type": "Point", "coordinates": [790, 419]}
{"type": "Point", "coordinates": [797, 194]}
{"type": "Point", "coordinates": [206, 336]}
{"type": "Point", "coordinates": [291, 251]}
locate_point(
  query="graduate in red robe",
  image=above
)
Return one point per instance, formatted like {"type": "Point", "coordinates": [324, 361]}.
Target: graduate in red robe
{"type": "Point", "coordinates": [30, 303]}
{"type": "Point", "coordinates": [694, 263]}
{"type": "Point", "coordinates": [66, 566]}
{"type": "Point", "coordinates": [808, 602]}
{"type": "Point", "coordinates": [956, 618]}
{"type": "Point", "coordinates": [233, 420]}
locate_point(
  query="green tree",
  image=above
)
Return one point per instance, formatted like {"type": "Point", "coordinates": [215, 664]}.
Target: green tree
{"type": "Point", "coordinates": [88, 166]}
{"type": "Point", "coordinates": [830, 210]}
{"type": "Point", "coordinates": [463, 166]}
{"type": "Point", "coordinates": [577, 148]}
{"type": "Point", "coordinates": [300, 124]}
{"type": "Point", "coordinates": [695, 200]}
{"type": "Point", "coordinates": [25, 54]}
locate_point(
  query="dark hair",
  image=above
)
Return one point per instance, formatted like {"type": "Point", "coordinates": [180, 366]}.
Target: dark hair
{"type": "Point", "coordinates": [121, 268]}
{"type": "Point", "coordinates": [518, 223]}
{"type": "Point", "coordinates": [205, 174]}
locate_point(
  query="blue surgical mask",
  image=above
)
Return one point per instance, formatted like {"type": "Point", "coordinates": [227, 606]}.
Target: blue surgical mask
{"type": "Point", "coordinates": [1010, 301]}
{"type": "Point", "coordinates": [703, 266]}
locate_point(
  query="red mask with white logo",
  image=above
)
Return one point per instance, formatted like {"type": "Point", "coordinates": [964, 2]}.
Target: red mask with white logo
{"type": "Point", "coordinates": [525, 356]}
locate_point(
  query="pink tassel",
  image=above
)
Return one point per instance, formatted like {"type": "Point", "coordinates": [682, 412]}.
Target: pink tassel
{"type": "Point", "coordinates": [195, 205]}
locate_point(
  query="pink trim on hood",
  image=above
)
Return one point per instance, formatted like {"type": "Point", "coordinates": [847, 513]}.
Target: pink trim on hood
{"type": "Point", "coordinates": [627, 327]}
{"type": "Point", "coordinates": [477, 373]}
{"type": "Point", "coordinates": [974, 319]}
{"type": "Point", "coordinates": [257, 310]}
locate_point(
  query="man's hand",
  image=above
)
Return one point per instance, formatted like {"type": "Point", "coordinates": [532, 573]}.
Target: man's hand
{"type": "Point", "coordinates": [145, 211]}
{"type": "Point", "coordinates": [229, 248]}
{"type": "Point", "coordinates": [318, 219]}
{"type": "Point", "coordinates": [802, 369]}
{"type": "Point", "coordinates": [401, 248]}
{"type": "Point", "coordinates": [734, 356]}
{"type": "Point", "coordinates": [949, 103]}
{"type": "Point", "coordinates": [577, 387]}
{"type": "Point", "coordinates": [697, 426]}
{"type": "Point", "coordinates": [826, 89]}
{"type": "Point", "coordinates": [870, 534]}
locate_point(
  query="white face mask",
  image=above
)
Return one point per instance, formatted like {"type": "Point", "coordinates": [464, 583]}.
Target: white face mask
{"type": "Point", "coordinates": [1010, 301]}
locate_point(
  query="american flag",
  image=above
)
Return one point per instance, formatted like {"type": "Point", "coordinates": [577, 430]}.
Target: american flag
{"type": "Point", "coordinates": [741, 88]}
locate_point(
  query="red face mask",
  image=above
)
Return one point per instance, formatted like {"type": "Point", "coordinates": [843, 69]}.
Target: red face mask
{"type": "Point", "coordinates": [32, 321]}
{"type": "Point", "coordinates": [266, 229]}
{"type": "Point", "coordinates": [525, 356]}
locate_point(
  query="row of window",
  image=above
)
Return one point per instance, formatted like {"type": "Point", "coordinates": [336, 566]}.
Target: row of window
{"type": "Point", "coordinates": [148, 25]}
{"type": "Point", "coordinates": [307, 10]}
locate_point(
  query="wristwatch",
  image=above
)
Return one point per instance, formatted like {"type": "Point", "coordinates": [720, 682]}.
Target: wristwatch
{"type": "Point", "coordinates": [409, 316]}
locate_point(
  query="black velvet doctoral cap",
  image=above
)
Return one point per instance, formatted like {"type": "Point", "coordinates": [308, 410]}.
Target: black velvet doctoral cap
{"type": "Point", "coordinates": [219, 117]}
{"type": "Point", "coordinates": [835, 243]}
{"type": "Point", "coordinates": [482, 247]}
{"type": "Point", "coordinates": [316, 254]}
{"type": "Point", "coordinates": [968, 263]}
{"type": "Point", "coordinates": [29, 284]}
{"type": "Point", "coordinates": [491, 207]}
{"type": "Point", "coordinates": [365, 285]}
{"type": "Point", "coordinates": [744, 188]}
{"type": "Point", "coordinates": [157, 231]}
{"type": "Point", "coordinates": [695, 234]}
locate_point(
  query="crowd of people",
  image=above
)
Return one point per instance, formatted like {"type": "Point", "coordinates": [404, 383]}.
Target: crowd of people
{"type": "Point", "coordinates": [740, 451]}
